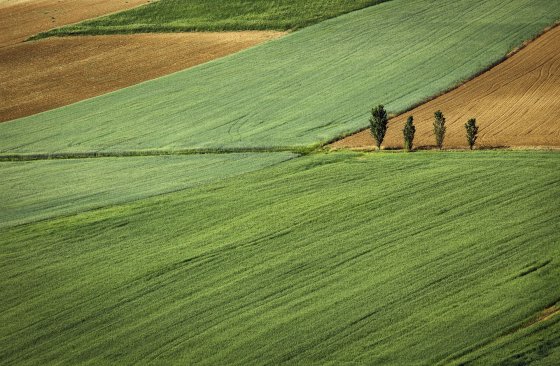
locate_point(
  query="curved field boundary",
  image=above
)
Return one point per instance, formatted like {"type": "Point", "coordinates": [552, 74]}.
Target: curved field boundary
{"type": "Point", "coordinates": [21, 19]}
{"type": "Point", "coordinates": [77, 68]}
{"type": "Point", "coordinates": [516, 103]}
{"type": "Point", "coordinates": [306, 88]}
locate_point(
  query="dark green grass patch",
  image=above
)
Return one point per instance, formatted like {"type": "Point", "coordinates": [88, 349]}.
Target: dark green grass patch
{"type": "Point", "coordinates": [326, 259]}
{"type": "Point", "coordinates": [302, 89]}
{"type": "Point", "coordinates": [214, 15]}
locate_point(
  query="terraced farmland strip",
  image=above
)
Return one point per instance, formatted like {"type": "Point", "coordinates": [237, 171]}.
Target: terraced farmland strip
{"type": "Point", "coordinates": [44, 189]}
{"type": "Point", "coordinates": [73, 69]}
{"type": "Point", "coordinates": [21, 19]}
{"type": "Point", "coordinates": [326, 259]}
{"type": "Point", "coordinates": [216, 15]}
{"type": "Point", "coordinates": [516, 103]}
{"type": "Point", "coordinates": [308, 87]}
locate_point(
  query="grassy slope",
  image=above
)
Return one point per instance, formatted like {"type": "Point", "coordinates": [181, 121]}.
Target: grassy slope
{"type": "Point", "coordinates": [215, 15]}
{"type": "Point", "coordinates": [308, 87]}
{"type": "Point", "coordinates": [379, 258]}
{"type": "Point", "coordinates": [42, 189]}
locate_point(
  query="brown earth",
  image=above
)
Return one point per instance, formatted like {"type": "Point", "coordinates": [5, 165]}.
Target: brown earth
{"type": "Point", "coordinates": [41, 75]}
{"type": "Point", "coordinates": [516, 103]}
{"type": "Point", "coordinates": [21, 19]}
{"type": "Point", "coordinates": [548, 313]}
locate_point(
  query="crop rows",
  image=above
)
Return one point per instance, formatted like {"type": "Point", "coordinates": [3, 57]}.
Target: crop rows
{"type": "Point", "coordinates": [375, 258]}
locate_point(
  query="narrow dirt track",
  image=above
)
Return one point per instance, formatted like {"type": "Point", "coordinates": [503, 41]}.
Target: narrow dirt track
{"type": "Point", "coordinates": [42, 75]}
{"type": "Point", "coordinates": [21, 19]}
{"type": "Point", "coordinates": [516, 103]}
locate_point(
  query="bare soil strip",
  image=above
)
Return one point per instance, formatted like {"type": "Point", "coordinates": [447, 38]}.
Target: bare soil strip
{"type": "Point", "coordinates": [21, 19]}
{"type": "Point", "coordinates": [516, 103]}
{"type": "Point", "coordinates": [42, 75]}
{"type": "Point", "coordinates": [546, 314]}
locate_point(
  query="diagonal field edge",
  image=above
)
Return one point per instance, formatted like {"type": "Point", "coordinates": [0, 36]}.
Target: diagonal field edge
{"type": "Point", "coordinates": [306, 88]}
{"type": "Point", "coordinates": [140, 153]}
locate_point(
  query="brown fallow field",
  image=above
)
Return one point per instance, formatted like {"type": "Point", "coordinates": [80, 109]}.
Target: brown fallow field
{"type": "Point", "coordinates": [53, 72]}
{"type": "Point", "coordinates": [40, 75]}
{"type": "Point", "coordinates": [516, 104]}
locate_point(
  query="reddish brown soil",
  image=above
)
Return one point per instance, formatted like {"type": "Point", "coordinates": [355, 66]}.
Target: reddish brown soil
{"type": "Point", "coordinates": [21, 19]}
{"type": "Point", "coordinates": [53, 72]}
{"type": "Point", "coordinates": [516, 103]}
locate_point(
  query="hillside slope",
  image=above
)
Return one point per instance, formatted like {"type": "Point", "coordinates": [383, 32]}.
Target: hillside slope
{"type": "Point", "coordinates": [397, 259]}
{"type": "Point", "coordinates": [306, 88]}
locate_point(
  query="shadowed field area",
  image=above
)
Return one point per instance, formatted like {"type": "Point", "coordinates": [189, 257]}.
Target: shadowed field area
{"type": "Point", "coordinates": [36, 190]}
{"type": "Point", "coordinates": [423, 258]}
{"type": "Point", "coordinates": [516, 103]}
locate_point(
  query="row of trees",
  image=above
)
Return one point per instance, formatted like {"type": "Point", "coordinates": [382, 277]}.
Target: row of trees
{"type": "Point", "coordinates": [379, 123]}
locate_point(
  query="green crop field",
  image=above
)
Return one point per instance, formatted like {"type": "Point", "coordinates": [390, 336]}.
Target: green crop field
{"type": "Point", "coordinates": [303, 89]}
{"type": "Point", "coordinates": [421, 258]}
{"type": "Point", "coordinates": [46, 188]}
{"type": "Point", "coordinates": [215, 15]}
{"type": "Point", "coordinates": [191, 220]}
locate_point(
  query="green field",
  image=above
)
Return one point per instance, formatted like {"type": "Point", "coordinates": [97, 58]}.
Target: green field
{"type": "Point", "coordinates": [121, 242]}
{"type": "Point", "coordinates": [303, 89]}
{"type": "Point", "coordinates": [47, 188]}
{"type": "Point", "coordinates": [389, 258]}
{"type": "Point", "coordinates": [215, 15]}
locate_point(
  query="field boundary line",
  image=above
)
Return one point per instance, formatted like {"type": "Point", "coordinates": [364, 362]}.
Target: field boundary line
{"type": "Point", "coordinates": [299, 150]}
{"type": "Point", "coordinates": [502, 59]}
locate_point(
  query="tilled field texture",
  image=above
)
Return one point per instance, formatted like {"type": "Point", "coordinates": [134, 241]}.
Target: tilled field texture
{"type": "Point", "coordinates": [516, 103]}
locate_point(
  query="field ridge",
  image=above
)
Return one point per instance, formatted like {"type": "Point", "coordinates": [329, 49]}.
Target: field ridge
{"type": "Point", "coordinates": [302, 150]}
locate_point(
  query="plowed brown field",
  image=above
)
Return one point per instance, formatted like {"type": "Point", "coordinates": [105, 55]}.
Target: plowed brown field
{"type": "Point", "coordinates": [53, 72]}
{"type": "Point", "coordinates": [516, 103]}
{"type": "Point", "coordinates": [21, 19]}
